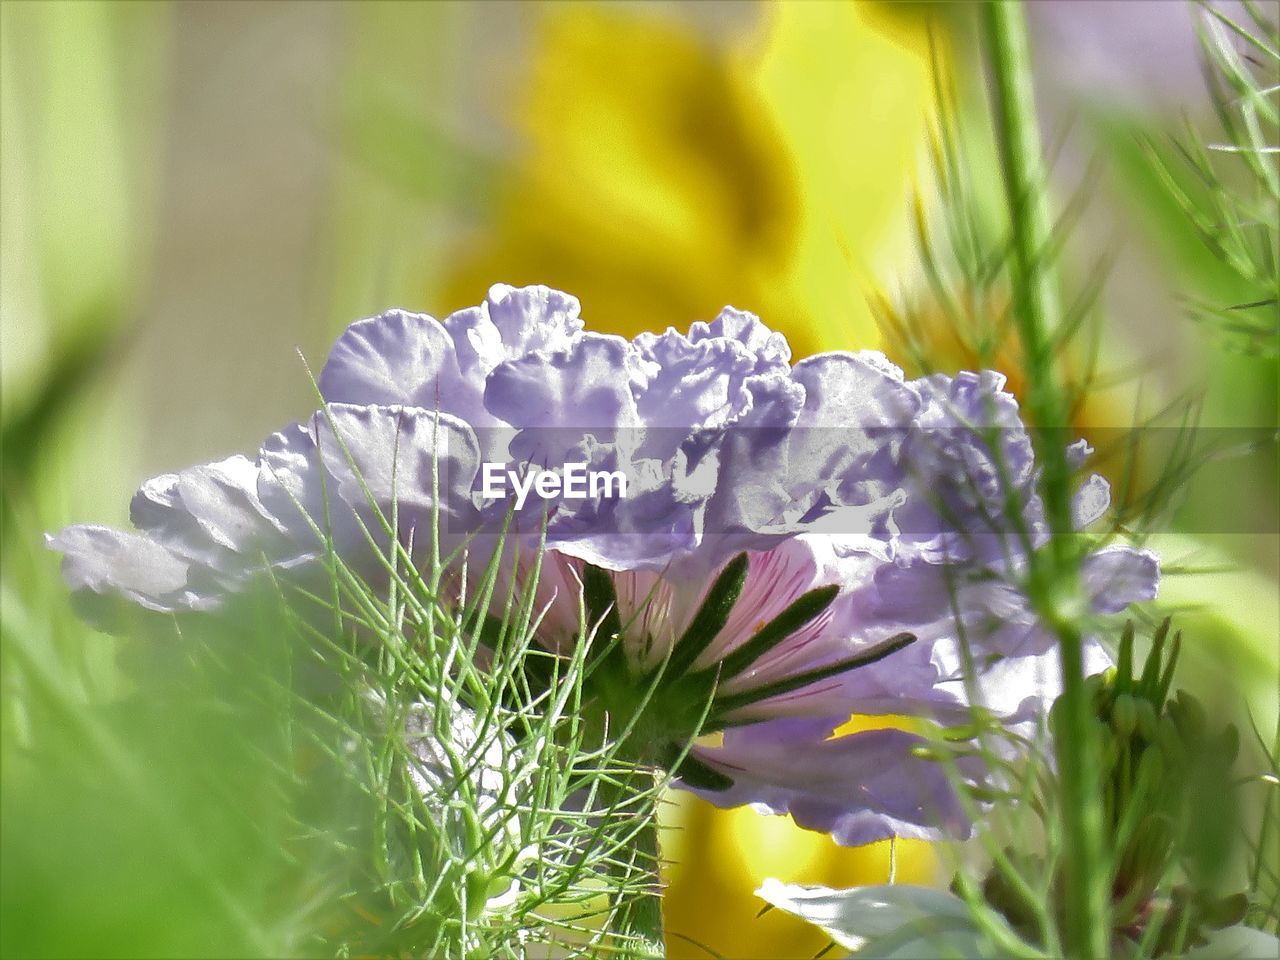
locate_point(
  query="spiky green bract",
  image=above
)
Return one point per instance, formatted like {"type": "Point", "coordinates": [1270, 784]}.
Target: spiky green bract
{"type": "Point", "coordinates": [657, 713]}
{"type": "Point", "coordinates": [495, 817]}
{"type": "Point", "coordinates": [509, 814]}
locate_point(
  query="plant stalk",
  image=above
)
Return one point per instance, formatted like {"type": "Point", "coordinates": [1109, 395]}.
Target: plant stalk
{"type": "Point", "coordinates": [644, 914]}
{"type": "Point", "coordinates": [1054, 586]}
{"type": "Point", "coordinates": [640, 918]}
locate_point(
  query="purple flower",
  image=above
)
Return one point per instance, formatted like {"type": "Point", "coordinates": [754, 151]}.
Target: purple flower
{"type": "Point", "coordinates": [796, 543]}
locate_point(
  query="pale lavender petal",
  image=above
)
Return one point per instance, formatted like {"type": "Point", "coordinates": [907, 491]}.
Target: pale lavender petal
{"type": "Point", "coordinates": [477, 344]}
{"type": "Point", "coordinates": [209, 513]}
{"type": "Point", "coordinates": [397, 358]}
{"type": "Point", "coordinates": [1118, 576]}
{"type": "Point", "coordinates": [847, 438]}
{"type": "Point", "coordinates": [770, 349]}
{"type": "Point", "coordinates": [533, 319]}
{"type": "Point", "coordinates": [1078, 454]}
{"type": "Point", "coordinates": [511, 323]}
{"type": "Point", "coordinates": [350, 470]}
{"type": "Point", "coordinates": [1091, 501]}
{"type": "Point", "coordinates": [858, 788]}
{"type": "Point", "coordinates": [403, 457]}
{"type": "Point", "coordinates": [1015, 689]}
{"type": "Point", "coordinates": [959, 486]}
{"type": "Point", "coordinates": [295, 487]}
{"type": "Point", "coordinates": [854, 390]}
{"type": "Point", "coordinates": [751, 491]}
{"type": "Point", "coordinates": [588, 385]}
{"type": "Point", "coordinates": [104, 567]}
{"type": "Point", "coordinates": [692, 384]}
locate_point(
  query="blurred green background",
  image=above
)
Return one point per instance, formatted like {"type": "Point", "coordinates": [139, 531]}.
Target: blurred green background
{"type": "Point", "coordinates": [192, 191]}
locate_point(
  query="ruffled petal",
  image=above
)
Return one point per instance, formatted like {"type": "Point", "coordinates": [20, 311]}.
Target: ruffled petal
{"type": "Point", "coordinates": [845, 446]}
{"type": "Point", "coordinates": [691, 385]}
{"type": "Point", "coordinates": [344, 476]}
{"type": "Point", "coordinates": [587, 386]}
{"type": "Point", "coordinates": [751, 491]}
{"type": "Point", "coordinates": [534, 319]}
{"type": "Point", "coordinates": [1091, 501]}
{"type": "Point", "coordinates": [770, 349]}
{"type": "Point", "coordinates": [107, 570]}
{"type": "Point", "coordinates": [959, 486]}
{"type": "Point", "coordinates": [209, 513]}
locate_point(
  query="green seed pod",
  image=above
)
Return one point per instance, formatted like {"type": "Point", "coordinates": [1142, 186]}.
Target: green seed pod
{"type": "Point", "coordinates": [477, 893]}
{"type": "Point", "coordinates": [1150, 772]}
{"type": "Point", "coordinates": [1147, 721]}
{"type": "Point", "coordinates": [464, 778]}
{"type": "Point", "coordinates": [1096, 689]}
{"type": "Point", "coordinates": [1124, 715]}
{"type": "Point", "coordinates": [1190, 716]}
{"type": "Point", "coordinates": [925, 752]}
{"type": "Point", "coordinates": [1226, 912]}
{"type": "Point", "coordinates": [1171, 741]}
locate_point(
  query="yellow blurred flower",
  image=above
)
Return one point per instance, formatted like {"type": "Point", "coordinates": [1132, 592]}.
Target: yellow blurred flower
{"type": "Point", "coordinates": [663, 173]}
{"type": "Point", "coordinates": [719, 857]}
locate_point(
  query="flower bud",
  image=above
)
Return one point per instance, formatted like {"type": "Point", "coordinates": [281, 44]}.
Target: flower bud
{"type": "Point", "coordinates": [1124, 715]}
{"type": "Point", "coordinates": [922, 751]}
{"type": "Point", "coordinates": [1096, 688]}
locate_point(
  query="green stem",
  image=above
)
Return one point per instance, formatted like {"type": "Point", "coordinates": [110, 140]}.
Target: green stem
{"type": "Point", "coordinates": [644, 914]}
{"type": "Point", "coordinates": [640, 918]}
{"type": "Point", "coordinates": [1054, 586]}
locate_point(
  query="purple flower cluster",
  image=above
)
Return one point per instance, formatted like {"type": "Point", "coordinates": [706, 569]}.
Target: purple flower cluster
{"type": "Point", "coordinates": [810, 538]}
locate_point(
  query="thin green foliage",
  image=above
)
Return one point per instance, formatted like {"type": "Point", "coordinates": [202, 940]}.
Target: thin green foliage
{"type": "Point", "coordinates": [959, 314]}
{"type": "Point", "coordinates": [1168, 799]}
{"type": "Point", "coordinates": [990, 298]}
{"type": "Point", "coordinates": [1228, 185]}
{"type": "Point", "coordinates": [1263, 863]}
{"type": "Point", "coordinates": [498, 817]}
{"type": "Point", "coordinates": [373, 761]}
